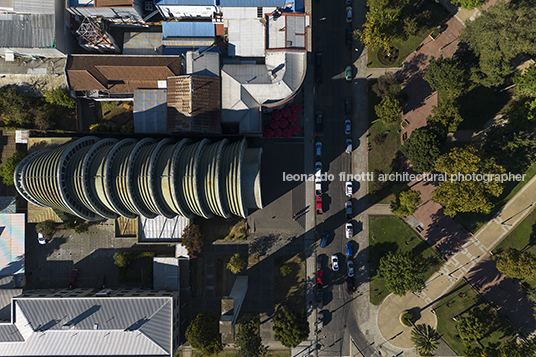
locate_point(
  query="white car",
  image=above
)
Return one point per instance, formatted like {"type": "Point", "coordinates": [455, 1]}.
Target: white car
{"type": "Point", "coordinates": [347, 126]}
{"type": "Point", "coordinates": [318, 146]}
{"type": "Point", "coordinates": [334, 263]}
{"type": "Point", "coordinates": [348, 146]}
{"type": "Point", "coordinates": [41, 239]}
{"type": "Point", "coordinates": [349, 14]}
{"type": "Point", "coordinates": [350, 266]}
{"type": "Point", "coordinates": [318, 171]}
{"type": "Point", "coordinates": [349, 189]}
{"type": "Point", "coordinates": [349, 229]}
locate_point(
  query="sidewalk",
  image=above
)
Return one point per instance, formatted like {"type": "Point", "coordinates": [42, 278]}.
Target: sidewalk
{"type": "Point", "coordinates": [460, 263]}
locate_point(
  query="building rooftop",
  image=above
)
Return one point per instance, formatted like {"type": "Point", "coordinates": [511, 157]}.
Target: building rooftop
{"type": "Point", "coordinates": [224, 3]}
{"type": "Point", "coordinates": [188, 29]}
{"type": "Point", "coordinates": [34, 7]}
{"type": "Point", "coordinates": [162, 229]}
{"type": "Point", "coordinates": [245, 31]}
{"type": "Point", "coordinates": [150, 111]}
{"type": "Point", "coordinates": [12, 240]}
{"type": "Point", "coordinates": [204, 63]}
{"type": "Point", "coordinates": [27, 30]}
{"type": "Point", "coordinates": [142, 43]}
{"type": "Point", "coordinates": [166, 273]}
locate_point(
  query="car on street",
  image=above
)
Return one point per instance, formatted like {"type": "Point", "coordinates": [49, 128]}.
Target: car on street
{"type": "Point", "coordinates": [348, 106]}
{"type": "Point", "coordinates": [318, 69]}
{"type": "Point", "coordinates": [348, 146]}
{"type": "Point", "coordinates": [318, 58]}
{"type": "Point", "coordinates": [319, 299]}
{"type": "Point", "coordinates": [319, 262]}
{"type": "Point", "coordinates": [334, 263]}
{"type": "Point", "coordinates": [73, 279]}
{"type": "Point", "coordinates": [319, 277]}
{"type": "Point", "coordinates": [348, 14]}
{"type": "Point", "coordinates": [348, 73]}
{"type": "Point", "coordinates": [324, 240]}
{"type": "Point", "coordinates": [320, 320]}
{"type": "Point", "coordinates": [319, 121]}
{"type": "Point", "coordinates": [318, 188]}
{"type": "Point", "coordinates": [318, 147]}
{"type": "Point", "coordinates": [349, 286]}
{"type": "Point", "coordinates": [349, 229]}
{"type": "Point", "coordinates": [349, 249]}
{"type": "Point", "coordinates": [41, 238]}
{"type": "Point", "coordinates": [347, 126]}
{"type": "Point", "coordinates": [349, 36]}
{"type": "Point", "coordinates": [350, 266]}
{"type": "Point", "coordinates": [348, 206]}
{"type": "Point", "coordinates": [349, 189]}
{"type": "Point", "coordinates": [318, 205]}
{"type": "Point", "coordinates": [318, 170]}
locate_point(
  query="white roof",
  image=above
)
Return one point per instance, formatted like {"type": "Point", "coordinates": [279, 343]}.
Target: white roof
{"type": "Point", "coordinates": [161, 228]}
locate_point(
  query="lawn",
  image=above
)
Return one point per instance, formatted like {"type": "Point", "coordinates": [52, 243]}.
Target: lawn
{"type": "Point", "coordinates": [234, 228]}
{"type": "Point", "coordinates": [461, 299]}
{"type": "Point", "coordinates": [391, 233]}
{"type": "Point", "coordinates": [231, 352]}
{"type": "Point", "coordinates": [383, 156]}
{"type": "Point", "coordinates": [474, 221]}
{"type": "Point", "coordinates": [481, 104]}
{"type": "Point", "coordinates": [290, 289]}
{"type": "Point", "coordinates": [405, 47]}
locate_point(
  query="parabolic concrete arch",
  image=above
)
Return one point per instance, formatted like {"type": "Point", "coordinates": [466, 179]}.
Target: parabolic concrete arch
{"type": "Point", "coordinates": [96, 178]}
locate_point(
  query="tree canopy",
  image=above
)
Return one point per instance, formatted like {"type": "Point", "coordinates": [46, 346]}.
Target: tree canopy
{"type": "Point", "coordinates": [469, 4]}
{"type": "Point", "coordinates": [446, 115]}
{"type": "Point", "coordinates": [249, 342]}
{"type": "Point", "coordinates": [447, 76]}
{"type": "Point", "coordinates": [389, 110]}
{"type": "Point", "coordinates": [60, 96]}
{"type": "Point", "coordinates": [517, 264]}
{"type": "Point", "coordinates": [463, 191]}
{"type": "Point", "coordinates": [15, 108]}
{"type": "Point", "coordinates": [526, 82]}
{"type": "Point", "coordinates": [402, 272]}
{"type": "Point", "coordinates": [501, 33]}
{"type": "Point", "coordinates": [203, 333]}
{"type": "Point", "coordinates": [7, 169]}
{"type": "Point", "coordinates": [425, 339]}
{"type": "Point", "coordinates": [379, 29]}
{"type": "Point", "coordinates": [423, 148]}
{"type": "Point", "coordinates": [514, 150]}
{"type": "Point", "coordinates": [290, 328]}
{"type": "Point", "coordinates": [236, 264]}
{"type": "Point", "coordinates": [387, 85]}
{"type": "Point", "coordinates": [476, 324]}
{"type": "Point", "coordinates": [193, 239]}
{"type": "Point", "coordinates": [406, 203]}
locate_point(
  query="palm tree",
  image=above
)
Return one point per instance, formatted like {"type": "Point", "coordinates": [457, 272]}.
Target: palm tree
{"type": "Point", "coordinates": [425, 339]}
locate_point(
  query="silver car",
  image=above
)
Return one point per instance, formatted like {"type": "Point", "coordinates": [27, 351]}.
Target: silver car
{"type": "Point", "coordinates": [334, 263]}
{"type": "Point", "coordinates": [348, 146]}
{"type": "Point", "coordinates": [350, 266]}
{"type": "Point", "coordinates": [320, 320]}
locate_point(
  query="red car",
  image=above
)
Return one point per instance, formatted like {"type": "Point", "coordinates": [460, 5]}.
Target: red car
{"type": "Point", "coordinates": [349, 286]}
{"type": "Point", "coordinates": [319, 277]}
{"type": "Point", "coordinates": [73, 279]}
{"type": "Point", "coordinates": [319, 205]}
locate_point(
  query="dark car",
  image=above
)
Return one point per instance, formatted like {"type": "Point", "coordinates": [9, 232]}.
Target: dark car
{"type": "Point", "coordinates": [324, 241]}
{"type": "Point", "coordinates": [318, 74]}
{"type": "Point", "coordinates": [349, 36]}
{"type": "Point", "coordinates": [319, 263]}
{"type": "Point", "coordinates": [320, 299]}
{"type": "Point", "coordinates": [318, 69]}
{"type": "Point", "coordinates": [318, 58]}
{"type": "Point", "coordinates": [73, 279]}
{"type": "Point", "coordinates": [319, 121]}
{"type": "Point", "coordinates": [349, 286]}
{"type": "Point", "coordinates": [348, 106]}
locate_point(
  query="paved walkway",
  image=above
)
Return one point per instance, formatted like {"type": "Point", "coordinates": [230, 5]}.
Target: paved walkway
{"type": "Point", "coordinates": [459, 264]}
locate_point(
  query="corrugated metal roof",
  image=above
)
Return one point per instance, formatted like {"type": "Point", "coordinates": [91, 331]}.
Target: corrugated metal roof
{"type": "Point", "coordinates": [162, 228]}
{"type": "Point", "coordinates": [150, 111]}
{"type": "Point", "coordinates": [10, 333]}
{"type": "Point", "coordinates": [227, 3]}
{"type": "Point", "coordinates": [142, 43]}
{"type": "Point", "coordinates": [34, 6]}
{"type": "Point", "coordinates": [205, 64]}
{"type": "Point", "coordinates": [17, 30]}
{"type": "Point", "coordinates": [246, 37]}
{"type": "Point", "coordinates": [12, 238]}
{"type": "Point", "coordinates": [185, 2]}
{"type": "Point", "coordinates": [188, 29]}
{"type": "Point", "coordinates": [5, 302]}
{"type": "Point", "coordinates": [166, 273]}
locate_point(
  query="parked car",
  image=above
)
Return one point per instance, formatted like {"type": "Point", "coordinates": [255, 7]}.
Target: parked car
{"type": "Point", "coordinates": [41, 238]}
{"type": "Point", "coordinates": [349, 189]}
{"type": "Point", "coordinates": [348, 73]}
{"type": "Point", "coordinates": [348, 106]}
{"type": "Point", "coordinates": [318, 74]}
{"type": "Point", "coordinates": [324, 240]}
{"type": "Point", "coordinates": [320, 320]}
{"type": "Point", "coordinates": [319, 277]}
{"type": "Point", "coordinates": [318, 58]}
{"type": "Point", "coordinates": [349, 249]}
{"type": "Point", "coordinates": [319, 299]}
{"type": "Point", "coordinates": [350, 266]}
{"type": "Point", "coordinates": [319, 121]}
{"type": "Point", "coordinates": [318, 147]}
{"type": "Point", "coordinates": [349, 36]}
{"type": "Point", "coordinates": [347, 126]}
{"type": "Point", "coordinates": [319, 262]}
{"type": "Point", "coordinates": [73, 279]}
{"type": "Point", "coordinates": [349, 229]}
{"type": "Point", "coordinates": [349, 286]}
{"type": "Point", "coordinates": [348, 14]}
{"type": "Point", "coordinates": [318, 188]}
{"type": "Point", "coordinates": [348, 206]}
{"type": "Point", "coordinates": [348, 146]}
{"type": "Point", "coordinates": [319, 205]}
{"type": "Point", "coordinates": [334, 263]}
{"type": "Point", "coordinates": [318, 170]}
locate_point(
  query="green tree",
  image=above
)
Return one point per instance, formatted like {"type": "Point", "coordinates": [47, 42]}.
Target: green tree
{"type": "Point", "coordinates": [469, 4]}
{"type": "Point", "coordinates": [526, 82]}
{"type": "Point", "coordinates": [249, 342]}
{"type": "Point", "coordinates": [446, 115]}
{"type": "Point", "coordinates": [285, 269]}
{"type": "Point", "coordinates": [447, 76]}
{"type": "Point", "coordinates": [379, 29]}
{"type": "Point", "coordinates": [514, 150]}
{"type": "Point", "coordinates": [406, 203]}
{"type": "Point", "coordinates": [525, 348]}
{"type": "Point", "coordinates": [7, 169]}
{"type": "Point", "coordinates": [60, 96]}
{"type": "Point", "coordinates": [501, 33]}
{"type": "Point", "coordinates": [389, 110]}
{"type": "Point", "coordinates": [203, 333]}
{"type": "Point", "coordinates": [476, 324]}
{"type": "Point", "coordinates": [425, 339]}
{"type": "Point", "coordinates": [423, 148]}
{"type": "Point", "coordinates": [236, 264]}
{"type": "Point", "coordinates": [15, 108]}
{"type": "Point", "coordinates": [81, 228]}
{"type": "Point", "coordinates": [457, 193]}
{"type": "Point", "coordinates": [517, 264]}
{"type": "Point", "coordinates": [387, 85]}
{"type": "Point", "coordinates": [45, 117]}
{"type": "Point", "coordinates": [290, 328]}
{"type": "Point", "coordinates": [402, 272]}
{"type": "Point", "coordinates": [193, 239]}
{"type": "Point", "coordinates": [46, 228]}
